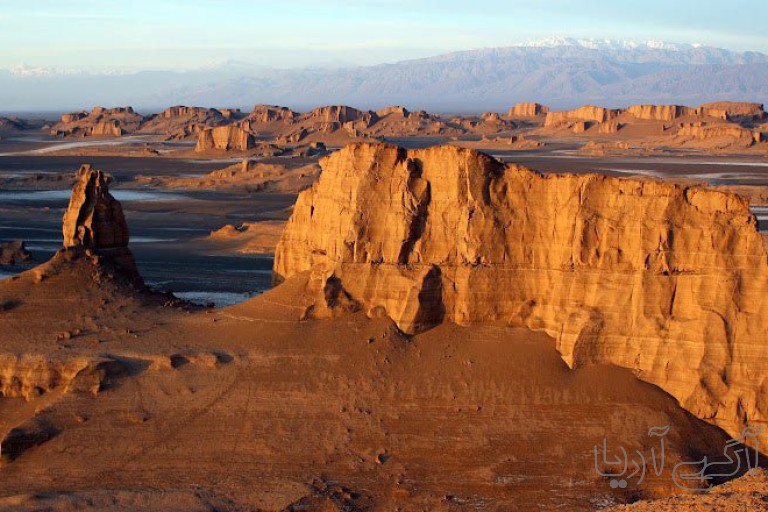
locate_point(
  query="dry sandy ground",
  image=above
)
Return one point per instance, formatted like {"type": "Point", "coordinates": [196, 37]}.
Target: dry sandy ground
{"type": "Point", "coordinates": [133, 404]}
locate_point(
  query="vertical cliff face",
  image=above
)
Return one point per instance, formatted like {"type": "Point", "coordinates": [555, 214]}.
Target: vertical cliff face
{"type": "Point", "coordinates": [224, 138]}
{"type": "Point", "coordinates": [666, 280]}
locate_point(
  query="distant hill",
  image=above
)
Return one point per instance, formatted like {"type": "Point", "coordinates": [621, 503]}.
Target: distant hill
{"type": "Point", "coordinates": [560, 72]}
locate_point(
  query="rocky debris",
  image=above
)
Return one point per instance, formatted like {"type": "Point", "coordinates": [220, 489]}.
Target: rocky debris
{"type": "Point", "coordinates": [100, 122]}
{"type": "Point", "coordinates": [225, 138]}
{"type": "Point", "coordinates": [585, 113]}
{"type": "Point", "coordinates": [663, 279]}
{"type": "Point", "coordinates": [14, 253]}
{"type": "Point", "coordinates": [660, 112]}
{"type": "Point", "coordinates": [527, 109]}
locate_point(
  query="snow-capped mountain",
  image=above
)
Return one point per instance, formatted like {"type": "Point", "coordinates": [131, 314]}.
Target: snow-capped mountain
{"type": "Point", "coordinates": [561, 72]}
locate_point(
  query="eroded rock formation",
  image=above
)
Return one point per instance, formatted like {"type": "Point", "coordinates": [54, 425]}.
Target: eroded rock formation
{"type": "Point", "coordinates": [733, 110]}
{"type": "Point", "coordinates": [585, 113]}
{"type": "Point", "coordinates": [181, 122]}
{"type": "Point", "coordinates": [666, 280]}
{"type": "Point", "coordinates": [100, 122]}
{"type": "Point", "coordinates": [94, 219]}
{"type": "Point", "coordinates": [14, 253]}
{"type": "Point", "coordinates": [94, 223]}
{"type": "Point", "coordinates": [225, 138]}
{"type": "Point", "coordinates": [735, 135]}
{"type": "Point", "coordinates": [528, 110]}
{"type": "Point", "coordinates": [660, 112]}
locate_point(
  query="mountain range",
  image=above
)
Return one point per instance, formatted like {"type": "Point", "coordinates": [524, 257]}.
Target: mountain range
{"type": "Point", "coordinates": [560, 72]}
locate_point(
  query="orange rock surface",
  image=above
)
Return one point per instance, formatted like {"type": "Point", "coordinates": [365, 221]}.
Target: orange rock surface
{"type": "Point", "coordinates": [663, 279]}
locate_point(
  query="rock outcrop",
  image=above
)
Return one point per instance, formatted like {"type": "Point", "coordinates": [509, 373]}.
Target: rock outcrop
{"type": "Point", "coordinates": [663, 279]}
{"type": "Point", "coordinates": [730, 110]}
{"type": "Point", "coordinates": [527, 109]}
{"type": "Point", "coordinates": [182, 122]}
{"type": "Point", "coordinates": [100, 122]}
{"type": "Point", "coordinates": [660, 112]}
{"type": "Point", "coordinates": [225, 138]}
{"type": "Point", "coordinates": [14, 253]}
{"type": "Point", "coordinates": [94, 219]}
{"type": "Point", "coordinates": [585, 113]}
{"type": "Point", "coordinates": [94, 222]}
{"type": "Point", "coordinates": [733, 134]}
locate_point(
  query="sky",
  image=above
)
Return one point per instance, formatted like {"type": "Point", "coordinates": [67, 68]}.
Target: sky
{"type": "Point", "coordinates": [133, 35]}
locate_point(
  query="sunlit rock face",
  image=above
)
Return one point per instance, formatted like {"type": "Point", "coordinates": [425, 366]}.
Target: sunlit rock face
{"type": "Point", "coordinates": [94, 222]}
{"type": "Point", "coordinates": [94, 219]}
{"type": "Point", "coordinates": [663, 279]}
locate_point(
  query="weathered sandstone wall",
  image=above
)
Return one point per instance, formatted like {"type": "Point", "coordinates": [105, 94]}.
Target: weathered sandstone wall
{"type": "Point", "coordinates": [225, 138]}
{"type": "Point", "coordinates": [527, 109]}
{"type": "Point", "coordinates": [585, 113]}
{"type": "Point", "coordinates": [669, 281]}
{"type": "Point", "coordinates": [660, 112]}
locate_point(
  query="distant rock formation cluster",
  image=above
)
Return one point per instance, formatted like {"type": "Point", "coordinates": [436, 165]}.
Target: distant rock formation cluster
{"type": "Point", "coordinates": [112, 122]}
{"type": "Point", "coordinates": [666, 280]}
{"type": "Point", "coordinates": [270, 130]}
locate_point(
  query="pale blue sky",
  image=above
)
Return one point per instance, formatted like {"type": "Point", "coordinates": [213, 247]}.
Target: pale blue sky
{"type": "Point", "coordinates": [184, 34]}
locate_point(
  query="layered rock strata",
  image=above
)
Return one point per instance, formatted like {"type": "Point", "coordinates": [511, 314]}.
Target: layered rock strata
{"type": "Point", "coordinates": [666, 280]}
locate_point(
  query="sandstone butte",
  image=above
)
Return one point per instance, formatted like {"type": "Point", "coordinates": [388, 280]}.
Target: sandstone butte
{"type": "Point", "coordinates": [527, 109]}
{"type": "Point", "coordinates": [585, 113]}
{"type": "Point", "coordinates": [666, 280]}
{"type": "Point", "coordinates": [228, 137]}
{"type": "Point", "coordinates": [660, 112]}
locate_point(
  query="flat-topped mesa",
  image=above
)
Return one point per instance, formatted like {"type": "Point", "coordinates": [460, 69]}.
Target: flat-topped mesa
{"type": "Point", "coordinates": [339, 114]}
{"type": "Point", "coordinates": [661, 112]}
{"type": "Point", "coordinates": [585, 113]}
{"type": "Point", "coordinates": [666, 280]}
{"type": "Point", "coordinates": [94, 219]}
{"type": "Point", "coordinates": [733, 110]}
{"type": "Point", "coordinates": [527, 109]}
{"type": "Point", "coordinates": [734, 135]}
{"type": "Point", "coordinates": [225, 138]}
